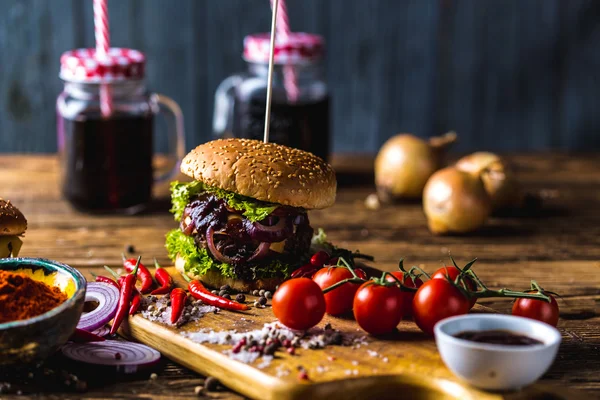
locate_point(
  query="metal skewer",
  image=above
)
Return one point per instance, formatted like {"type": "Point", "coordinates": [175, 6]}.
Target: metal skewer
{"type": "Point", "coordinates": [270, 75]}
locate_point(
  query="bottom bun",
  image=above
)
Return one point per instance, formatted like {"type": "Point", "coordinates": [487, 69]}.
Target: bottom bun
{"type": "Point", "coordinates": [215, 280]}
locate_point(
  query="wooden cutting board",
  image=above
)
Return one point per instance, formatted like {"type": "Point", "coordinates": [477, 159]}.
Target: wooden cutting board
{"type": "Point", "coordinates": [403, 365]}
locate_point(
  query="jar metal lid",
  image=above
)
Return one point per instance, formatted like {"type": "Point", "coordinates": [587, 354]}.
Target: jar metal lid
{"type": "Point", "coordinates": [297, 48]}
{"type": "Point", "coordinates": [85, 65]}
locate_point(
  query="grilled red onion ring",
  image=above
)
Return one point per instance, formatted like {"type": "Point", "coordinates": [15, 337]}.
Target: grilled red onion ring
{"type": "Point", "coordinates": [261, 251]}
{"type": "Point", "coordinates": [282, 230]}
{"type": "Point", "coordinates": [210, 243]}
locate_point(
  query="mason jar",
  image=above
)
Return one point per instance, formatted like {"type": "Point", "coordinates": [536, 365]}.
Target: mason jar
{"type": "Point", "coordinates": [105, 131]}
{"type": "Point", "coordinates": [300, 96]}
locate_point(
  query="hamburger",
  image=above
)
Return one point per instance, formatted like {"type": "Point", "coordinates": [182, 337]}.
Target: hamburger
{"type": "Point", "coordinates": [243, 219]}
{"type": "Point", "coordinates": [12, 226]}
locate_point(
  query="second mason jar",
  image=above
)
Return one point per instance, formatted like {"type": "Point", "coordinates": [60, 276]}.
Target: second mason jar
{"type": "Point", "coordinates": [300, 98]}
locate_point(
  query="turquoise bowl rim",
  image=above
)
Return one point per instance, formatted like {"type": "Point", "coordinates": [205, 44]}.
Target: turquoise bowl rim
{"type": "Point", "coordinates": [80, 283]}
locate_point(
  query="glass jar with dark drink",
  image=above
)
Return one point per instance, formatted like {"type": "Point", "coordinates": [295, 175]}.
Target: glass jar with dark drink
{"type": "Point", "coordinates": [105, 130]}
{"type": "Point", "coordinates": [300, 97]}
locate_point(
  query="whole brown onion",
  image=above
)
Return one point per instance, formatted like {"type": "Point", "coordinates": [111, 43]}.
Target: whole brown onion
{"type": "Point", "coordinates": [405, 162]}
{"type": "Point", "coordinates": [455, 201]}
{"type": "Point", "coordinates": [497, 176]}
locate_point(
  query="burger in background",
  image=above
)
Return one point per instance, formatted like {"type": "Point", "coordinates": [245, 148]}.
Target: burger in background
{"type": "Point", "coordinates": [12, 226]}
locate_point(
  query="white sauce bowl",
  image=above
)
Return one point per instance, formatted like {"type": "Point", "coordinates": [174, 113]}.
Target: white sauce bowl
{"type": "Point", "coordinates": [496, 366]}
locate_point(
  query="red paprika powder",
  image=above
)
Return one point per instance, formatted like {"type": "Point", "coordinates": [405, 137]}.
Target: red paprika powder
{"type": "Point", "coordinates": [22, 297]}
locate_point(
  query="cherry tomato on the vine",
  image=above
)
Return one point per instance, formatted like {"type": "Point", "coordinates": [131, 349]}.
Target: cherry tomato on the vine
{"type": "Point", "coordinates": [319, 258]}
{"type": "Point", "coordinates": [537, 309]}
{"type": "Point", "coordinates": [435, 300]}
{"type": "Point", "coordinates": [408, 296]}
{"type": "Point", "coordinates": [452, 273]}
{"type": "Point", "coordinates": [339, 300]}
{"type": "Point", "coordinates": [378, 308]}
{"type": "Point", "coordinates": [299, 303]}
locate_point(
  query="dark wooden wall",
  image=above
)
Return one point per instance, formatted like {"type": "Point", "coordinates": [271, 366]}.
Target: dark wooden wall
{"type": "Point", "coordinates": [509, 75]}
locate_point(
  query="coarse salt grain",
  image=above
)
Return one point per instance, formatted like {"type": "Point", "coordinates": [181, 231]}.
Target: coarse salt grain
{"type": "Point", "coordinates": [195, 310]}
{"type": "Point", "coordinates": [372, 353]}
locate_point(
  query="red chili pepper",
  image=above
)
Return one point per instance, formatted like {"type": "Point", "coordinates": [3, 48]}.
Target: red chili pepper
{"type": "Point", "coordinates": [81, 336]}
{"type": "Point", "coordinates": [108, 280]}
{"type": "Point", "coordinates": [143, 274]}
{"type": "Point", "coordinates": [126, 291]}
{"type": "Point", "coordinates": [178, 297]}
{"type": "Point", "coordinates": [162, 277]}
{"type": "Point", "coordinates": [198, 291]}
{"type": "Point", "coordinates": [136, 301]}
{"type": "Point", "coordinates": [305, 271]}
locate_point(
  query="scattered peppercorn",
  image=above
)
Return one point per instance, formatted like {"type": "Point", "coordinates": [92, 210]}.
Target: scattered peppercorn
{"type": "Point", "coordinates": [211, 384]}
{"type": "Point", "coordinates": [291, 351]}
{"type": "Point", "coordinates": [226, 288]}
{"type": "Point", "coordinates": [153, 376]}
{"type": "Point", "coordinates": [240, 298]}
{"type": "Point", "coordinates": [271, 349]}
{"type": "Point", "coordinates": [222, 292]}
{"type": "Point", "coordinates": [268, 294]}
{"type": "Point", "coordinates": [198, 390]}
{"type": "Point", "coordinates": [262, 301]}
{"type": "Point", "coordinates": [226, 296]}
{"type": "Point", "coordinates": [256, 304]}
{"type": "Point", "coordinates": [214, 292]}
{"type": "Point", "coordinates": [255, 293]}
{"type": "Point", "coordinates": [130, 249]}
{"type": "Point", "coordinates": [261, 292]}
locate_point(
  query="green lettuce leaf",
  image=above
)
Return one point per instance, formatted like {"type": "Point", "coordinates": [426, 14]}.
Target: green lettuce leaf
{"type": "Point", "coordinates": [199, 261]}
{"type": "Point", "coordinates": [182, 192]}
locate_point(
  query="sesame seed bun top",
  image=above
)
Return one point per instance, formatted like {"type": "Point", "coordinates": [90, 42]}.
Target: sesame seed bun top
{"type": "Point", "coordinates": [12, 221]}
{"type": "Point", "coordinates": [265, 171]}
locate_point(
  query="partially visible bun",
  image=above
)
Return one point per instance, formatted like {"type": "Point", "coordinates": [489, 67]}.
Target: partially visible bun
{"type": "Point", "coordinates": [215, 280]}
{"type": "Point", "coordinates": [264, 171]}
{"type": "Point", "coordinates": [12, 221]}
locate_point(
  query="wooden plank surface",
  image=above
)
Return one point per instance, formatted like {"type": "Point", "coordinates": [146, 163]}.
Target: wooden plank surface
{"type": "Point", "coordinates": [512, 75]}
{"type": "Point", "coordinates": [559, 248]}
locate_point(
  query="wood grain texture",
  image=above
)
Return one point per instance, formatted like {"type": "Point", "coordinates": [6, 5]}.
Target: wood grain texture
{"type": "Point", "coordinates": [511, 75]}
{"type": "Point", "coordinates": [406, 361]}
{"type": "Point", "coordinates": [558, 248]}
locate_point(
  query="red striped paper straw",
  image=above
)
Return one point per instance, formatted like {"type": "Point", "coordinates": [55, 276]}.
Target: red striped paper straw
{"type": "Point", "coordinates": [102, 35]}
{"type": "Point", "coordinates": [290, 80]}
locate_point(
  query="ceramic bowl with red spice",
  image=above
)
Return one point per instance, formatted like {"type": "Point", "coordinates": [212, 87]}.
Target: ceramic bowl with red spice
{"type": "Point", "coordinates": [29, 340]}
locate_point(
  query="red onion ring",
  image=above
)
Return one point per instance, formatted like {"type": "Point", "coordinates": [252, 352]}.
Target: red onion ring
{"type": "Point", "coordinates": [103, 331]}
{"type": "Point", "coordinates": [126, 357]}
{"type": "Point", "coordinates": [107, 297]}
{"type": "Point", "coordinates": [282, 230]}
{"type": "Point", "coordinates": [261, 251]}
{"type": "Point", "coordinates": [210, 243]}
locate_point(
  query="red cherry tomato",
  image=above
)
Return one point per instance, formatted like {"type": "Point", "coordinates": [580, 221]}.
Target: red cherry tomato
{"type": "Point", "coordinates": [305, 271]}
{"type": "Point", "coordinates": [435, 300]}
{"type": "Point", "coordinates": [408, 296]}
{"type": "Point", "coordinates": [319, 258]}
{"type": "Point", "coordinates": [377, 308]}
{"type": "Point", "coordinates": [339, 300]}
{"type": "Point", "coordinates": [299, 303]}
{"type": "Point", "coordinates": [452, 272]}
{"type": "Point", "coordinates": [360, 273]}
{"type": "Point", "coordinates": [537, 309]}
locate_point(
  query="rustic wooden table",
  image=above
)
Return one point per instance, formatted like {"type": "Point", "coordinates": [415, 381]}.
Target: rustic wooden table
{"type": "Point", "coordinates": [559, 247]}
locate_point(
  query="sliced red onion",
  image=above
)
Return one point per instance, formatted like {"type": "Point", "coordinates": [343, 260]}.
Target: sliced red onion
{"type": "Point", "coordinates": [210, 243]}
{"type": "Point", "coordinates": [261, 252]}
{"type": "Point", "coordinates": [107, 297]}
{"type": "Point", "coordinates": [275, 233]}
{"type": "Point", "coordinates": [103, 331]}
{"type": "Point", "coordinates": [126, 357]}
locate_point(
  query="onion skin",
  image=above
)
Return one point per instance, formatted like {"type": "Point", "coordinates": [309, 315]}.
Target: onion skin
{"type": "Point", "coordinates": [497, 176]}
{"type": "Point", "coordinates": [455, 201]}
{"type": "Point", "coordinates": [405, 162]}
